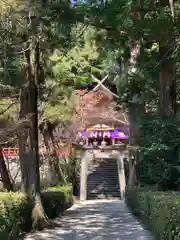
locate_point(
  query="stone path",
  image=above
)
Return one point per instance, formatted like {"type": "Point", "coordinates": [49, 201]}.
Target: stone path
{"type": "Point", "coordinates": [95, 220]}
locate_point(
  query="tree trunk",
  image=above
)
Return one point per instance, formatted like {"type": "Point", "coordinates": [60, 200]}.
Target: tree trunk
{"type": "Point", "coordinates": [167, 93]}
{"type": "Point", "coordinates": [23, 140]}
{"type": "Point", "coordinates": [47, 132]}
{"type": "Point", "coordinates": [133, 179]}
{"type": "Point", "coordinates": [135, 110]}
{"type": "Point", "coordinates": [28, 143]}
{"type": "Point", "coordinates": [73, 172]}
{"type": "Point", "coordinates": [131, 173]}
{"type": "Point", "coordinates": [55, 160]}
{"type": "Point", "coordinates": [4, 174]}
{"type": "Point", "coordinates": [133, 104]}
{"type": "Point", "coordinates": [54, 177]}
{"type": "Point", "coordinates": [38, 214]}
{"type": "Point", "coordinates": [167, 98]}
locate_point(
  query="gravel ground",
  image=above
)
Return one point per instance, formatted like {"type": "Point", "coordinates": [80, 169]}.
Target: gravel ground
{"type": "Point", "coordinates": [95, 220]}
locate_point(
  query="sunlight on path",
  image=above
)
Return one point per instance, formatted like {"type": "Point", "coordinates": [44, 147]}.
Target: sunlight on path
{"type": "Point", "coordinates": [95, 220]}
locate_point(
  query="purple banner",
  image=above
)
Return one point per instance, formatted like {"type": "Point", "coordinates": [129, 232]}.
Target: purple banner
{"type": "Point", "coordinates": [116, 134]}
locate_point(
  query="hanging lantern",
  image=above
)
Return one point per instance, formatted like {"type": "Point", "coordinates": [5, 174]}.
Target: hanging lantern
{"type": "Point", "coordinates": [108, 134]}
{"type": "Point", "coordinates": [79, 135]}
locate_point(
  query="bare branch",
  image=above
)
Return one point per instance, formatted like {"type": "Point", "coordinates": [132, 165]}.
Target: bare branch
{"type": "Point", "coordinates": [5, 110]}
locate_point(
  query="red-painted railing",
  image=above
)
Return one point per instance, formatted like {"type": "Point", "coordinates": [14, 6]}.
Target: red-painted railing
{"type": "Point", "coordinates": [10, 152]}
{"type": "Point", "coordinates": [14, 152]}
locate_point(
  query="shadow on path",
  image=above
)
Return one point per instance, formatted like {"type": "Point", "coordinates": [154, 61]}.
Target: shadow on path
{"type": "Point", "coordinates": [95, 220]}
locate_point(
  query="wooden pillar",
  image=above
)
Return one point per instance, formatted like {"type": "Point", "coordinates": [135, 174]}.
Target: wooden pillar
{"type": "Point", "coordinates": [86, 144]}
{"type": "Point", "coordinates": [113, 140]}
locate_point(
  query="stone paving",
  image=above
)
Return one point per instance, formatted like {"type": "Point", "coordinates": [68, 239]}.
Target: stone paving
{"type": "Point", "coordinates": [95, 220]}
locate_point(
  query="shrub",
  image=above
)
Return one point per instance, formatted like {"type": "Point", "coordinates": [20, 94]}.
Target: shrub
{"type": "Point", "coordinates": [159, 211]}
{"type": "Point", "coordinates": [56, 200]}
{"type": "Point", "coordinates": [16, 208]}
{"type": "Point", "coordinates": [15, 211]}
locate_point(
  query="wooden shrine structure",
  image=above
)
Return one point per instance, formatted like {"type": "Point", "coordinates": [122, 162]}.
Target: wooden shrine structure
{"type": "Point", "coordinates": [106, 125]}
{"type": "Point", "coordinates": [105, 136]}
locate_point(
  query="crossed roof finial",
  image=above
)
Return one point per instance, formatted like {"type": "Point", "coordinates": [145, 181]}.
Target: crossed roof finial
{"type": "Point", "coordinates": [100, 84]}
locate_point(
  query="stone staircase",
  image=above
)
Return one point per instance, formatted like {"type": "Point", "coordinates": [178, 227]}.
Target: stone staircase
{"type": "Point", "coordinates": [102, 179]}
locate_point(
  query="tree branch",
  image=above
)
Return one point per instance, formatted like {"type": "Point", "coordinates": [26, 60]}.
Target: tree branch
{"type": "Point", "coordinates": [5, 110]}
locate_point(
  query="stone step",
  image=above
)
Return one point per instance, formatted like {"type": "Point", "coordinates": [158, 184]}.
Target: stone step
{"type": "Point", "coordinates": [99, 181]}
{"type": "Point", "coordinates": [105, 186]}
{"type": "Point", "coordinates": [103, 196]}
{"type": "Point", "coordinates": [110, 191]}
{"type": "Point", "coordinates": [96, 163]}
{"type": "Point", "coordinates": [103, 181]}
{"type": "Point", "coordinates": [113, 191]}
{"type": "Point", "coordinates": [112, 182]}
{"type": "Point", "coordinates": [103, 193]}
{"type": "Point", "coordinates": [102, 176]}
{"type": "Point", "coordinates": [104, 190]}
{"type": "Point", "coordinates": [107, 190]}
{"type": "Point", "coordinates": [100, 166]}
{"type": "Point", "coordinates": [103, 170]}
{"type": "Point", "coordinates": [94, 190]}
{"type": "Point", "coordinates": [103, 165]}
{"type": "Point", "coordinates": [105, 173]}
